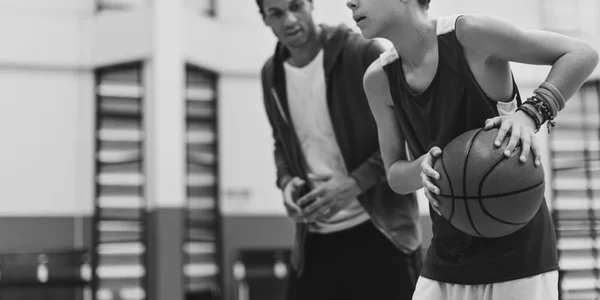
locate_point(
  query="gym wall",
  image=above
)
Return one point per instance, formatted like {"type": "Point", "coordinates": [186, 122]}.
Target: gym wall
{"type": "Point", "coordinates": [51, 49]}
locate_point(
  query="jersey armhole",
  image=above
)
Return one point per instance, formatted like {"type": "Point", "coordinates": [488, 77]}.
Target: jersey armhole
{"type": "Point", "coordinates": [504, 108]}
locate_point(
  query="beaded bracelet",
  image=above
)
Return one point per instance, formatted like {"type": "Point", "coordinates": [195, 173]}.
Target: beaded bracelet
{"type": "Point", "coordinates": [543, 107]}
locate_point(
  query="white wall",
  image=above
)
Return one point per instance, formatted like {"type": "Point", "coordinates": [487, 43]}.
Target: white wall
{"type": "Point", "coordinates": [119, 36]}
{"type": "Point", "coordinates": [246, 149]}
{"type": "Point", "coordinates": [46, 111]}
{"type": "Point", "coordinates": [39, 112]}
{"type": "Point", "coordinates": [46, 7]}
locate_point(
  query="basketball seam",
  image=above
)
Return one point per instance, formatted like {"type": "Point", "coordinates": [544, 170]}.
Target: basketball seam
{"type": "Point", "coordinates": [480, 200]}
{"type": "Point", "coordinates": [469, 146]}
{"type": "Point", "coordinates": [494, 195]}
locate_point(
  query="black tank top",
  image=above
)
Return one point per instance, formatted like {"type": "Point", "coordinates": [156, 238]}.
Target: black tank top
{"type": "Point", "coordinates": [453, 104]}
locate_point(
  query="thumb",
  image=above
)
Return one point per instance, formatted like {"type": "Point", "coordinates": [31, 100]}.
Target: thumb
{"type": "Point", "coordinates": [297, 181]}
{"type": "Point", "coordinates": [436, 151]}
{"type": "Point", "coordinates": [491, 123]}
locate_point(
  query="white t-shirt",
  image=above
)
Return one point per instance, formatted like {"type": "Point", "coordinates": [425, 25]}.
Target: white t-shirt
{"type": "Point", "coordinates": [306, 93]}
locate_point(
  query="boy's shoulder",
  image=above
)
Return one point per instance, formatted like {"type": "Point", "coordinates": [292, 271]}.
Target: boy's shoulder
{"type": "Point", "coordinates": [387, 57]}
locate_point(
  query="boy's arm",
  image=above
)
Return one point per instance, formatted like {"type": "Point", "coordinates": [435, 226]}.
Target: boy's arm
{"type": "Point", "coordinates": [402, 175]}
{"type": "Point", "coordinates": [572, 61]}
{"type": "Point", "coordinates": [371, 171]}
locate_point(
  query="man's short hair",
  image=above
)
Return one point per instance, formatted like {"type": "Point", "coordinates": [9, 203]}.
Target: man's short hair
{"type": "Point", "coordinates": [262, 13]}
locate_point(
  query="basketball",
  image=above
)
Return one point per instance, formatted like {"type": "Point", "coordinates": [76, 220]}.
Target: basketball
{"type": "Point", "coordinates": [483, 193]}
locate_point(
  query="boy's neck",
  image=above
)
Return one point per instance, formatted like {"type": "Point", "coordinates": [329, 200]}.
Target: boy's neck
{"type": "Point", "coordinates": [302, 56]}
{"type": "Point", "coordinates": [413, 43]}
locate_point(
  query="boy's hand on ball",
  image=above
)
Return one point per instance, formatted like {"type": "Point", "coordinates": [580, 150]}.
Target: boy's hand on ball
{"type": "Point", "coordinates": [428, 174]}
{"type": "Point", "coordinates": [521, 128]}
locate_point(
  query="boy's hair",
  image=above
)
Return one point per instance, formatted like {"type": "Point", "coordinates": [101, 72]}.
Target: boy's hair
{"type": "Point", "coordinates": [424, 3]}
{"type": "Point", "coordinates": [262, 13]}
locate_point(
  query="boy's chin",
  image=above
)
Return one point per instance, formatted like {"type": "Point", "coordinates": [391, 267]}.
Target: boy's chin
{"type": "Point", "coordinates": [367, 34]}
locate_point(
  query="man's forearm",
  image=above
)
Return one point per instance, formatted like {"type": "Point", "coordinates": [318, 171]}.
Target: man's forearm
{"type": "Point", "coordinates": [370, 172]}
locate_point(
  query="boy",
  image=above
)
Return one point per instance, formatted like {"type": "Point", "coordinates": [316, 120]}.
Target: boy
{"type": "Point", "coordinates": [446, 77]}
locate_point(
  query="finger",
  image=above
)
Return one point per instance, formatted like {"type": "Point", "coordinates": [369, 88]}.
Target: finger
{"type": "Point", "coordinates": [309, 197]}
{"type": "Point", "coordinates": [427, 161]}
{"type": "Point", "coordinates": [429, 171]}
{"type": "Point", "coordinates": [323, 212]}
{"type": "Point", "coordinates": [292, 185]}
{"type": "Point", "coordinates": [525, 146]}
{"type": "Point", "coordinates": [515, 136]}
{"type": "Point", "coordinates": [311, 209]}
{"type": "Point", "coordinates": [428, 185]}
{"type": "Point", "coordinates": [295, 215]}
{"type": "Point", "coordinates": [288, 200]}
{"type": "Point", "coordinates": [434, 203]}
{"type": "Point", "coordinates": [535, 148]}
{"type": "Point", "coordinates": [299, 182]}
{"type": "Point", "coordinates": [316, 178]}
{"type": "Point", "coordinates": [293, 210]}
{"type": "Point", "coordinates": [333, 210]}
{"type": "Point", "coordinates": [288, 193]}
{"type": "Point", "coordinates": [502, 131]}
{"type": "Point", "coordinates": [491, 123]}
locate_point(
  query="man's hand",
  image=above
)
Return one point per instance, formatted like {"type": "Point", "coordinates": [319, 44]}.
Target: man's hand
{"type": "Point", "coordinates": [329, 198]}
{"type": "Point", "coordinates": [291, 192]}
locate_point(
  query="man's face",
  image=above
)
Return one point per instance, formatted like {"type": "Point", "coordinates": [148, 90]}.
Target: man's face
{"type": "Point", "coordinates": [290, 20]}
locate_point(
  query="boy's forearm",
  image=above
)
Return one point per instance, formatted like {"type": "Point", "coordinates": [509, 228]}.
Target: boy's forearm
{"type": "Point", "coordinates": [404, 177]}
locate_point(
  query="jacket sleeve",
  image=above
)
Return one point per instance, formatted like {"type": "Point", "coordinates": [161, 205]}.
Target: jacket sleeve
{"type": "Point", "coordinates": [283, 172]}
{"type": "Point", "coordinates": [372, 171]}
{"type": "Point", "coordinates": [371, 52]}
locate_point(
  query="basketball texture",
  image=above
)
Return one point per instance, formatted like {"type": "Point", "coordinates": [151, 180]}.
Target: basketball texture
{"type": "Point", "coordinates": [483, 193]}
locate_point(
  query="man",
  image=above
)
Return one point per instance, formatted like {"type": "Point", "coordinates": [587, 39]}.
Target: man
{"type": "Point", "coordinates": [355, 238]}
{"type": "Point", "coordinates": [450, 75]}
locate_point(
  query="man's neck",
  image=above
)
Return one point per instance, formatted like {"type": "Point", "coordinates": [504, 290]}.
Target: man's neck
{"type": "Point", "coordinates": [302, 56]}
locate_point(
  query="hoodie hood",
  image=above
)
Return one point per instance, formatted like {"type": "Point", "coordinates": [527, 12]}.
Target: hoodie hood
{"type": "Point", "coordinates": [332, 39]}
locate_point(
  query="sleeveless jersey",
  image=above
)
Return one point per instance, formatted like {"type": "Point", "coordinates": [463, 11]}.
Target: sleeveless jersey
{"type": "Point", "coordinates": [453, 104]}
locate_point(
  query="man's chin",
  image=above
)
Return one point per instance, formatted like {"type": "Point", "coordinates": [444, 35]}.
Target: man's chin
{"type": "Point", "coordinates": [297, 42]}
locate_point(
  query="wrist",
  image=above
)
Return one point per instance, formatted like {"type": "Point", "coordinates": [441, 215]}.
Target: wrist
{"type": "Point", "coordinates": [354, 187]}
{"type": "Point", "coordinates": [540, 108]}
{"type": "Point", "coordinates": [527, 111]}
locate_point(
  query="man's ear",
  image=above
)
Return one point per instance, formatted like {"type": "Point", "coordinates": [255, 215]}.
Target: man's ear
{"type": "Point", "coordinates": [312, 5]}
